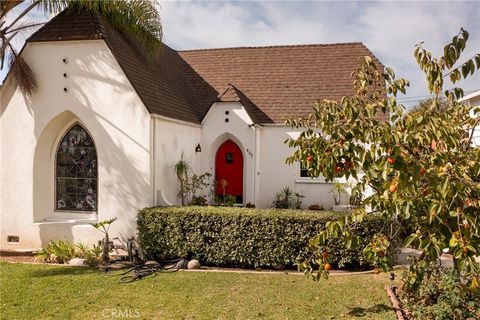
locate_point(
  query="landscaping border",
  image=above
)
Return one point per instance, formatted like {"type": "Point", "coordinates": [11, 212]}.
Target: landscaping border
{"type": "Point", "coordinates": [399, 312]}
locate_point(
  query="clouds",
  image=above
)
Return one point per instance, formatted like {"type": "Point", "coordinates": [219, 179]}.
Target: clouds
{"type": "Point", "coordinates": [389, 29]}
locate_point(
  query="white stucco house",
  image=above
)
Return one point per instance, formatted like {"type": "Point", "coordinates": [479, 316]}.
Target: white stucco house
{"type": "Point", "coordinates": [474, 100]}
{"type": "Point", "coordinates": [98, 137]}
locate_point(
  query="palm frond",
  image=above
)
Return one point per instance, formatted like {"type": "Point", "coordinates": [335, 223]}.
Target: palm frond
{"type": "Point", "coordinates": [22, 73]}
{"type": "Point", "coordinates": [7, 5]}
{"type": "Point", "coordinates": [25, 27]}
{"type": "Point", "coordinates": [138, 19]}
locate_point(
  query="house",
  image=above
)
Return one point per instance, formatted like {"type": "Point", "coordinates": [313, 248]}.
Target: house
{"type": "Point", "coordinates": [474, 100]}
{"type": "Point", "coordinates": [97, 139]}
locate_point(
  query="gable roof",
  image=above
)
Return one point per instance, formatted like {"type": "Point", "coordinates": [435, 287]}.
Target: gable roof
{"type": "Point", "coordinates": [161, 81]}
{"type": "Point", "coordinates": [282, 81]}
{"type": "Point", "coordinates": [272, 83]}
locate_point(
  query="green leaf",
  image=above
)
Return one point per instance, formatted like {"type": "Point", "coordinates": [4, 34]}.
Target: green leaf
{"type": "Point", "coordinates": [410, 239]}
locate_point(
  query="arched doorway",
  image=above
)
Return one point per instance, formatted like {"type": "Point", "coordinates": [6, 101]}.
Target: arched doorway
{"type": "Point", "coordinates": [229, 171]}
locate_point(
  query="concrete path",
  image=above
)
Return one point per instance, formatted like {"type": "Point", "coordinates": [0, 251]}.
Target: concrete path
{"type": "Point", "coordinates": [446, 259]}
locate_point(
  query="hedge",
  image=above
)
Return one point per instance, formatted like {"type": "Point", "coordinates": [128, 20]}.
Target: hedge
{"type": "Point", "coordinates": [241, 237]}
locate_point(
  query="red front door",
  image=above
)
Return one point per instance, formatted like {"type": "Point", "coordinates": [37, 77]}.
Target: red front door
{"type": "Point", "coordinates": [229, 169]}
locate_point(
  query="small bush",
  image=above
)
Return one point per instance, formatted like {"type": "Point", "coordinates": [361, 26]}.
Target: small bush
{"type": "Point", "coordinates": [63, 251]}
{"type": "Point", "coordinates": [440, 295]}
{"type": "Point", "coordinates": [287, 199]}
{"type": "Point", "coordinates": [57, 252]}
{"type": "Point", "coordinates": [250, 205]}
{"type": "Point", "coordinates": [241, 237]}
{"type": "Point", "coordinates": [315, 207]}
{"type": "Point", "coordinates": [199, 201]}
{"type": "Point", "coordinates": [92, 255]}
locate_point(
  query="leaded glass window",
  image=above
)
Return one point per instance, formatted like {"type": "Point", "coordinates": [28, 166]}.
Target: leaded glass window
{"type": "Point", "coordinates": [76, 172]}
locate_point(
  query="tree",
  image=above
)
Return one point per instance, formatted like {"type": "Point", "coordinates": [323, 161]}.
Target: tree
{"type": "Point", "coordinates": [421, 166]}
{"type": "Point", "coordinates": [138, 19]}
{"type": "Point", "coordinates": [182, 169]}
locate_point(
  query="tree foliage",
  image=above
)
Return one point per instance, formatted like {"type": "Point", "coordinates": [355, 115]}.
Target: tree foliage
{"type": "Point", "coordinates": [419, 167]}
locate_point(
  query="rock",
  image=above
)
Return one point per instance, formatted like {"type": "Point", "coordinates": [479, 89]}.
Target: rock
{"type": "Point", "coordinates": [151, 263]}
{"type": "Point", "coordinates": [76, 262]}
{"type": "Point", "coordinates": [193, 264]}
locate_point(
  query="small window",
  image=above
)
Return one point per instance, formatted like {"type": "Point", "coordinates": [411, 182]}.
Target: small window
{"type": "Point", "coordinates": [229, 158]}
{"type": "Point", "coordinates": [304, 172]}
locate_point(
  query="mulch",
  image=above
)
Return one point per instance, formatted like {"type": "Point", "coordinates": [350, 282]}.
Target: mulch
{"type": "Point", "coordinates": [16, 256]}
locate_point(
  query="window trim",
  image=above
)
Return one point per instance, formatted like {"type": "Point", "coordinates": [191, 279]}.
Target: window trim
{"type": "Point", "coordinates": [315, 180]}
{"type": "Point", "coordinates": [69, 213]}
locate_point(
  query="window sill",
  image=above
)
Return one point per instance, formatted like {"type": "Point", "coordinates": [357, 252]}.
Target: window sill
{"type": "Point", "coordinates": [319, 181]}
{"type": "Point", "coordinates": [314, 181]}
{"type": "Point", "coordinates": [71, 218]}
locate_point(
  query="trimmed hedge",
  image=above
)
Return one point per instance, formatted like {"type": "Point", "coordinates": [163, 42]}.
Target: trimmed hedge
{"type": "Point", "coordinates": [241, 237]}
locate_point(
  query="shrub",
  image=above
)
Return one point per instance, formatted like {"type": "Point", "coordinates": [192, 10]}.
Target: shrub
{"type": "Point", "coordinates": [241, 237]}
{"type": "Point", "coordinates": [199, 201]}
{"type": "Point", "coordinates": [92, 255]}
{"type": "Point", "coordinates": [315, 207]}
{"type": "Point", "coordinates": [226, 200]}
{"type": "Point", "coordinates": [62, 251]}
{"type": "Point", "coordinates": [439, 295]}
{"type": "Point", "coordinates": [57, 252]}
{"type": "Point", "coordinates": [287, 199]}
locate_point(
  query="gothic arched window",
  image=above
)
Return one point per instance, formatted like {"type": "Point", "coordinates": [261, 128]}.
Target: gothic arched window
{"type": "Point", "coordinates": [76, 172]}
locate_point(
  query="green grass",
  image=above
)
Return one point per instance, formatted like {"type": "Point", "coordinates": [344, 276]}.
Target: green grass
{"type": "Point", "coordinates": [51, 292]}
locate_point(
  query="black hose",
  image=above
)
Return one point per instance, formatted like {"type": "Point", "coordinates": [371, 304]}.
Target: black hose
{"type": "Point", "coordinates": [137, 272]}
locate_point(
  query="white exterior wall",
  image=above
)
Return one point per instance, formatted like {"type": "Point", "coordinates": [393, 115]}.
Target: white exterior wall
{"type": "Point", "coordinates": [275, 174]}
{"type": "Point", "coordinates": [173, 138]}
{"type": "Point", "coordinates": [475, 102]}
{"type": "Point", "coordinates": [136, 151]}
{"type": "Point", "coordinates": [99, 97]}
{"type": "Point", "coordinates": [239, 129]}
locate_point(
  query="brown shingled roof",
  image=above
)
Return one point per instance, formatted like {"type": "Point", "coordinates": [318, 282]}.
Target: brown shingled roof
{"type": "Point", "coordinates": [273, 83]}
{"type": "Point", "coordinates": [282, 81]}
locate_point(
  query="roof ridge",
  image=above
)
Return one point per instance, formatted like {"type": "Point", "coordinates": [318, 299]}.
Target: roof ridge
{"type": "Point", "coordinates": [277, 46]}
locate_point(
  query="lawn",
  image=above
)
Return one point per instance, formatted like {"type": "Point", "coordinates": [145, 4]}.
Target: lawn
{"type": "Point", "coordinates": [56, 292]}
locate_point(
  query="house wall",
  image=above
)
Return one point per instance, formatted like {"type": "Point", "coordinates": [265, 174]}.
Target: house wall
{"type": "Point", "coordinates": [239, 129]}
{"type": "Point", "coordinates": [172, 139]}
{"type": "Point", "coordinates": [275, 174]}
{"type": "Point", "coordinates": [99, 97]}
{"type": "Point", "coordinates": [475, 102]}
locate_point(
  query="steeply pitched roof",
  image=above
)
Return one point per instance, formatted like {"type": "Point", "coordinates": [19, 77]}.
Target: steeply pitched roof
{"type": "Point", "coordinates": [162, 82]}
{"type": "Point", "coordinates": [273, 83]}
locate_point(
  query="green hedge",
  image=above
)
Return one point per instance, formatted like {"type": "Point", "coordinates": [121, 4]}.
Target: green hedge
{"type": "Point", "coordinates": [240, 237]}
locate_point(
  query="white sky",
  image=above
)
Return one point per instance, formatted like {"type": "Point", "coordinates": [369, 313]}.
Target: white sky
{"type": "Point", "coordinates": [389, 29]}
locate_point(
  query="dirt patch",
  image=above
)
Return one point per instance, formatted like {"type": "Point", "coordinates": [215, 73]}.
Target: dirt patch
{"type": "Point", "coordinates": [16, 256]}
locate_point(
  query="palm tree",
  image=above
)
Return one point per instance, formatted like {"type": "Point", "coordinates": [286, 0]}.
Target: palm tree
{"type": "Point", "coordinates": [138, 19]}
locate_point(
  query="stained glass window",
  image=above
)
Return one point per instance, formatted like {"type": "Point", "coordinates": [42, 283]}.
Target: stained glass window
{"type": "Point", "coordinates": [76, 172]}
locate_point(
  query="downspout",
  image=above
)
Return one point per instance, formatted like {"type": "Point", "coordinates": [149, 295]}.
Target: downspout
{"type": "Point", "coordinates": [153, 159]}
{"type": "Point", "coordinates": [256, 169]}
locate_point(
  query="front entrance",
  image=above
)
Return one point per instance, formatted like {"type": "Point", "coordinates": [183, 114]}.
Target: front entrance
{"type": "Point", "coordinates": [229, 171]}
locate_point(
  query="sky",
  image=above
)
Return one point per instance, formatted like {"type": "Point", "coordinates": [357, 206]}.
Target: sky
{"type": "Point", "coordinates": [390, 29]}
